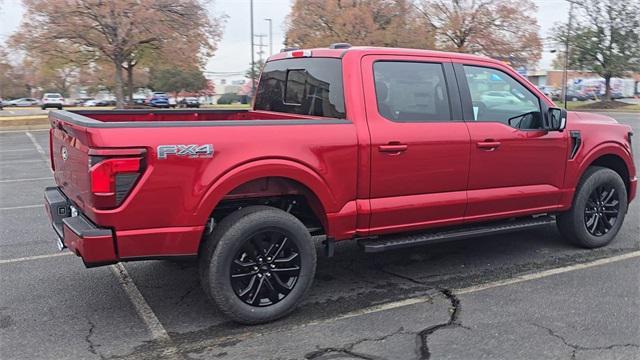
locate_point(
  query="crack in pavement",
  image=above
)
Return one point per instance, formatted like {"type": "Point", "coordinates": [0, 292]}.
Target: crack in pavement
{"type": "Point", "coordinates": [453, 322]}
{"type": "Point", "coordinates": [575, 348]}
{"type": "Point", "coordinates": [91, 346]}
{"type": "Point", "coordinates": [186, 293]}
{"type": "Point", "coordinates": [454, 315]}
{"type": "Point", "coordinates": [348, 348]}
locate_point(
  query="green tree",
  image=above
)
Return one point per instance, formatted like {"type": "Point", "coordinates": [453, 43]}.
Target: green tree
{"type": "Point", "coordinates": [176, 80]}
{"type": "Point", "coordinates": [605, 40]}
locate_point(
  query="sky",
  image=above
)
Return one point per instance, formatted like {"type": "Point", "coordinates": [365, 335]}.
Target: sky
{"type": "Point", "coordinates": [234, 54]}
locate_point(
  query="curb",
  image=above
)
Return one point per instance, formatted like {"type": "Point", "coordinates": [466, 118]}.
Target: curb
{"type": "Point", "coordinates": [23, 122]}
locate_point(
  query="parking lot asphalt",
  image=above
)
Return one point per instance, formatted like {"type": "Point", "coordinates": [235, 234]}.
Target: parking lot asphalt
{"type": "Point", "coordinates": [525, 295]}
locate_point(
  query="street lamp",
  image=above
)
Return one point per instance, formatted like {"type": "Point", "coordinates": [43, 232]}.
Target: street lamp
{"type": "Point", "coordinates": [566, 56]}
{"type": "Point", "coordinates": [253, 61]}
{"type": "Point", "coordinates": [270, 35]}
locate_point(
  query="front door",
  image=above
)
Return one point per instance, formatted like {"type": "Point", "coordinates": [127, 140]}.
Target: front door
{"type": "Point", "coordinates": [517, 167]}
{"type": "Point", "coordinates": [419, 143]}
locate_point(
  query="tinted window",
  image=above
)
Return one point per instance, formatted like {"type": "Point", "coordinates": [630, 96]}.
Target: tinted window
{"type": "Point", "coordinates": [411, 92]}
{"type": "Point", "coordinates": [496, 96]}
{"type": "Point", "coordinates": [305, 86]}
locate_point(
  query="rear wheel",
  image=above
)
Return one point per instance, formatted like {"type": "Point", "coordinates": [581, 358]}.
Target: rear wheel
{"type": "Point", "coordinates": [258, 265]}
{"type": "Point", "coordinates": [599, 208]}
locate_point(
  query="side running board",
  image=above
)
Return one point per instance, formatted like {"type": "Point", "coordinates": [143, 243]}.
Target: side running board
{"type": "Point", "coordinates": [385, 243]}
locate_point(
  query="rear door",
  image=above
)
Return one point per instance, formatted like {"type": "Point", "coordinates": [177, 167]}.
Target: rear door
{"type": "Point", "coordinates": [419, 143]}
{"type": "Point", "coordinates": [516, 166]}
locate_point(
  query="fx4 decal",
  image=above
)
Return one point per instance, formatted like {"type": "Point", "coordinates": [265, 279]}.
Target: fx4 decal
{"type": "Point", "coordinates": [190, 151]}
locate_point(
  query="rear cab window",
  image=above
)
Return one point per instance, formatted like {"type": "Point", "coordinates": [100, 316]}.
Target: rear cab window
{"type": "Point", "coordinates": [303, 86]}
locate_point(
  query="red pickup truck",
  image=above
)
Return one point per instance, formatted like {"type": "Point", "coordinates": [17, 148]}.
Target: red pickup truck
{"type": "Point", "coordinates": [392, 147]}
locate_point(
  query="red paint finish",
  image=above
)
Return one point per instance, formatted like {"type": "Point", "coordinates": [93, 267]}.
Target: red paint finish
{"type": "Point", "coordinates": [366, 176]}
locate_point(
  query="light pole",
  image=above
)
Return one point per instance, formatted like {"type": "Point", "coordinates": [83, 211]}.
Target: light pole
{"type": "Point", "coordinates": [270, 35]}
{"type": "Point", "coordinates": [566, 56]}
{"type": "Point", "coordinates": [253, 70]}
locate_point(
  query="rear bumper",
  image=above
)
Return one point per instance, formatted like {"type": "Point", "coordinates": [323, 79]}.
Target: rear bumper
{"type": "Point", "coordinates": [95, 245]}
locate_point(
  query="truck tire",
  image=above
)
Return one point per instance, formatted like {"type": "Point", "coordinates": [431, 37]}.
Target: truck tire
{"type": "Point", "coordinates": [598, 210]}
{"type": "Point", "coordinates": [258, 264]}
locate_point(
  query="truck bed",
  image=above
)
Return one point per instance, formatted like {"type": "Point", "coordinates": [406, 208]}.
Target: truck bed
{"type": "Point", "coordinates": [159, 117]}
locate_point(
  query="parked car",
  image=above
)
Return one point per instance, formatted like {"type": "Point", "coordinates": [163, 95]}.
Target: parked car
{"type": "Point", "coordinates": [54, 100]}
{"type": "Point", "coordinates": [492, 98]}
{"type": "Point", "coordinates": [406, 153]}
{"type": "Point", "coordinates": [90, 102]}
{"type": "Point", "coordinates": [1, 103]}
{"type": "Point", "coordinates": [138, 100]}
{"type": "Point", "coordinates": [23, 102]}
{"type": "Point", "coordinates": [159, 101]}
{"type": "Point", "coordinates": [189, 102]}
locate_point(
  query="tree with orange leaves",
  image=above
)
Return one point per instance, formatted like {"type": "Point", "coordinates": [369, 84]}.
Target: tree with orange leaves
{"type": "Point", "coordinates": [317, 23]}
{"type": "Point", "coordinates": [117, 31]}
{"type": "Point", "coordinates": [501, 29]}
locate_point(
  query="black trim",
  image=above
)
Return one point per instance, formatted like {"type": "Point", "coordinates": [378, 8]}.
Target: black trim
{"type": "Point", "coordinates": [83, 227]}
{"type": "Point", "coordinates": [465, 93]}
{"type": "Point", "coordinates": [464, 232]}
{"type": "Point", "coordinates": [58, 208]}
{"type": "Point", "coordinates": [455, 101]}
{"type": "Point", "coordinates": [85, 121]}
{"type": "Point", "coordinates": [576, 141]}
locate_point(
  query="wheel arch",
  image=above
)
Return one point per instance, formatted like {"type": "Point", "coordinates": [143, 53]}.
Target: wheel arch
{"type": "Point", "coordinates": [609, 155]}
{"type": "Point", "coordinates": [273, 177]}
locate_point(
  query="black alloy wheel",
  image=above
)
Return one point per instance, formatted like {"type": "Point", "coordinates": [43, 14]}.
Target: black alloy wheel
{"type": "Point", "coordinates": [602, 210]}
{"type": "Point", "coordinates": [265, 269]}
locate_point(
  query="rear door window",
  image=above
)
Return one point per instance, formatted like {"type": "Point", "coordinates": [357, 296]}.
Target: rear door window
{"type": "Point", "coordinates": [304, 86]}
{"type": "Point", "coordinates": [411, 91]}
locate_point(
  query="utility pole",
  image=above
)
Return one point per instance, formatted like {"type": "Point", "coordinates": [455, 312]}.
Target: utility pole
{"type": "Point", "coordinates": [565, 77]}
{"type": "Point", "coordinates": [253, 61]}
{"type": "Point", "coordinates": [270, 35]}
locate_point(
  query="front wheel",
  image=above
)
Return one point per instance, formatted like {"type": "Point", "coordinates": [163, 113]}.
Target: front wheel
{"type": "Point", "coordinates": [599, 208]}
{"type": "Point", "coordinates": [258, 265]}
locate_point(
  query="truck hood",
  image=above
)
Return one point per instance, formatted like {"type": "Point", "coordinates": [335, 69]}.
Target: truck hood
{"type": "Point", "coordinates": [578, 117]}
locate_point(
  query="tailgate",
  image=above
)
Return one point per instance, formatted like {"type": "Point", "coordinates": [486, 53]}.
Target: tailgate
{"type": "Point", "coordinates": [70, 161]}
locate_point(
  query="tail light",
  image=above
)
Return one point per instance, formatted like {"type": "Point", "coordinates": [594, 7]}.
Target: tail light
{"type": "Point", "coordinates": [112, 178]}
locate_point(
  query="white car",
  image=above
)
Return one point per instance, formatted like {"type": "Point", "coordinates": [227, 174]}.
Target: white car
{"type": "Point", "coordinates": [23, 102]}
{"type": "Point", "coordinates": [54, 100]}
{"type": "Point", "coordinates": [91, 102]}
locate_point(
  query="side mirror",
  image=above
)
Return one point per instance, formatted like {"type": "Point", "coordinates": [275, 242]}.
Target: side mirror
{"type": "Point", "coordinates": [556, 119]}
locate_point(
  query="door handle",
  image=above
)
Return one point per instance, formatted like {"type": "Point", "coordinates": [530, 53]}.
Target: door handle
{"type": "Point", "coordinates": [488, 145]}
{"type": "Point", "coordinates": [393, 148]}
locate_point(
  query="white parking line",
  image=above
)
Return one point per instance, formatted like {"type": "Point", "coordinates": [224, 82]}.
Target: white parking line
{"type": "Point", "coordinates": [15, 150]}
{"type": "Point", "coordinates": [23, 180]}
{"type": "Point", "coordinates": [37, 257]}
{"type": "Point", "coordinates": [546, 273]}
{"type": "Point", "coordinates": [21, 161]}
{"type": "Point", "coordinates": [490, 285]}
{"type": "Point", "coordinates": [22, 207]}
{"type": "Point", "coordinates": [35, 143]}
{"type": "Point", "coordinates": [21, 131]}
{"type": "Point", "coordinates": [139, 303]}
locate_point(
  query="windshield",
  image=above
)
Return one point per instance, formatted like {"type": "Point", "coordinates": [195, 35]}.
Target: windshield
{"type": "Point", "coordinates": [305, 86]}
